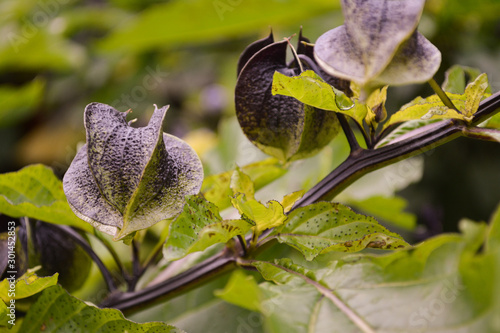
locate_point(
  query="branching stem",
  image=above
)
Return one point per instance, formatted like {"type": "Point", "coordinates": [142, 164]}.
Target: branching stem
{"type": "Point", "coordinates": [78, 239]}
{"type": "Point", "coordinates": [351, 138]}
{"type": "Point", "coordinates": [350, 170]}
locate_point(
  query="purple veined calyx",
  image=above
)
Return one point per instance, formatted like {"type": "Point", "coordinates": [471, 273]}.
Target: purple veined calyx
{"type": "Point", "coordinates": [126, 179]}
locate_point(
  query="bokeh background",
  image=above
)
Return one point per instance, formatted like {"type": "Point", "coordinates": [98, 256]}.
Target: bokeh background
{"type": "Point", "coordinates": [56, 56]}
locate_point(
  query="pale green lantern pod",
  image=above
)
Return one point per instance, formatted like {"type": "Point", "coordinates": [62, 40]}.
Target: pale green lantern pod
{"type": "Point", "coordinates": [126, 179]}
{"type": "Point", "coordinates": [378, 45]}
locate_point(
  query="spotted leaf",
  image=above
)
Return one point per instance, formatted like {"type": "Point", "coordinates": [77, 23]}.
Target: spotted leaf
{"type": "Point", "coordinates": [325, 227]}
{"type": "Point", "coordinates": [200, 226]}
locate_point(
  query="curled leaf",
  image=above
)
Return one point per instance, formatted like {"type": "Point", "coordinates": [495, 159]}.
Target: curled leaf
{"type": "Point", "coordinates": [126, 179]}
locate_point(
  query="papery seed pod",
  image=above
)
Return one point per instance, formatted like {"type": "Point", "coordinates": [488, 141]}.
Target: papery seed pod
{"type": "Point", "coordinates": [57, 253]}
{"type": "Point", "coordinates": [126, 179]}
{"type": "Point", "coordinates": [378, 45]}
{"type": "Point", "coordinates": [280, 126]}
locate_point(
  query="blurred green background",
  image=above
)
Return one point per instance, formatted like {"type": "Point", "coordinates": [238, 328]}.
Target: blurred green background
{"type": "Point", "coordinates": [56, 56]}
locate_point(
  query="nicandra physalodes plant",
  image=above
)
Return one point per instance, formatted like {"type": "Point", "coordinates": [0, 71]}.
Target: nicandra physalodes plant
{"type": "Point", "coordinates": [280, 125]}
{"type": "Point", "coordinates": [125, 179]}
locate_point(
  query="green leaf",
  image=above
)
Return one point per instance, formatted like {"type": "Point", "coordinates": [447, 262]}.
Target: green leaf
{"type": "Point", "coordinates": [441, 285]}
{"type": "Point", "coordinates": [264, 217]}
{"type": "Point", "coordinates": [323, 227]}
{"type": "Point", "coordinates": [35, 191]}
{"type": "Point", "coordinates": [474, 93]}
{"type": "Point", "coordinates": [19, 103]}
{"type": "Point", "coordinates": [455, 78]}
{"type": "Point", "coordinates": [198, 227]}
{"type": "Point", "coordinates": [127, 179]}
{"type": "Point", "coordinates": [389, 209]}
{"type": "Point", "coordinates": [57, 311]}
{"type": "Point", "coordinates": [216, 188]}
{"type": "Point", "coordinates": [164, 25]}
{"type": "Point", "coordinates": [40, 51]}
{"type": "Point", "coordinates": [493, 240]}
{"type": "Point", "coordinates": [493, 122]}
{"type": "Point", "coordinates": [27, 285]}
{"type": "Point", "coordinates": [492, 247]}
{"type": "Point", "coordinates": [4, 311]}
{"type": "Point", "coordinates": [242, 290]}
{"type": "Point", "coordinates": [311, 89]}
{"type": "Point", "coordinates": [427, 109]}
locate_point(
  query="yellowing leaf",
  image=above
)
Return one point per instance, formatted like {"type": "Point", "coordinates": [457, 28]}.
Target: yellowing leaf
{"type": "Point", "coordinates": [290, 199]}
{"type": "Point", "coordinates": [310, 89]}
{"type": "Point", "coordinates": [241, 183]}
{"type": "Point", "coordinates": [264, 217]}
{"type": "Point", "coordinates": [455, 78]}
{"type": "Point", "coordinates": [376, 106]}
{"type": "Point", "coordinates": [427, 109]}
{"type": "Point", "coordinates": [474, 93]}
{"type": "Point", "coordinates": [216, 188]}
